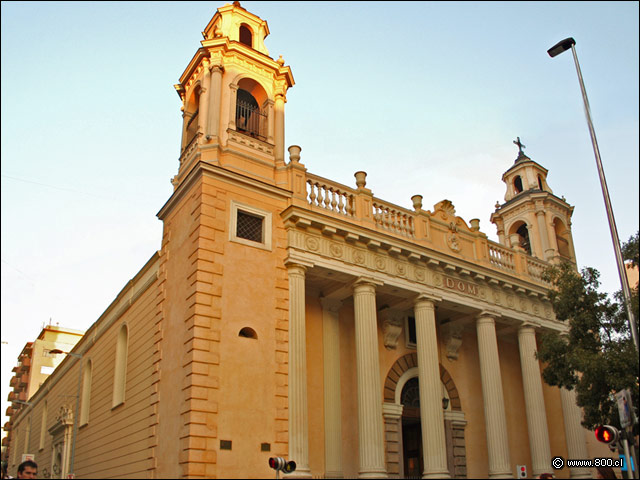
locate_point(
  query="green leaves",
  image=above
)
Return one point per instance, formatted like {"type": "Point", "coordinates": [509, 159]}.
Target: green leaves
{"type": "Point", "coordinates": [596, 356]}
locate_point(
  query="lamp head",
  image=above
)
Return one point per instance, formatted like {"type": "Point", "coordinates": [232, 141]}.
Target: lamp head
{"type": "Point", "coordinates": [561, 46]}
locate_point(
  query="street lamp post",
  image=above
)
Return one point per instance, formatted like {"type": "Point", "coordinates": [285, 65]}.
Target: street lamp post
{"type": "Point", "coordinates": [562, 46]}
{"type": "Point", "coordinates": [76, 420]}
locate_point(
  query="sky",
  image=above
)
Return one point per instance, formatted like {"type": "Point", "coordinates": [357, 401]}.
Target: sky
{"type": "Point", "coordinates": [427, 98]}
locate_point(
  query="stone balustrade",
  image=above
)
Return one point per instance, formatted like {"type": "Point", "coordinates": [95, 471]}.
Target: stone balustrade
{"type": "Point", "coordinates": [359, 206]}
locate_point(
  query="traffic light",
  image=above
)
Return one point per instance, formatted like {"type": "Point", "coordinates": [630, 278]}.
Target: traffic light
{"type": "Point", "coordinates": [606, 434]}
{"type": "Point", "coordinates": [279, 464]}
{"type": "Point", "coordinates": [522, 471]}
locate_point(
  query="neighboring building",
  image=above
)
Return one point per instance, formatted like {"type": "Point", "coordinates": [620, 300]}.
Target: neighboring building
{"type": "Point", "coordinates": [290, 315]}
{"type": "Point", "coordinates": [35, 363]}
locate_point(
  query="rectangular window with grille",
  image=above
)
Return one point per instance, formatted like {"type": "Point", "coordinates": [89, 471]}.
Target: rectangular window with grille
{"type": "Point", "coordinates": [249, 226]}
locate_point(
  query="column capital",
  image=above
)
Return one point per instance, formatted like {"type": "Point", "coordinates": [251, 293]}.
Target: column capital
{"type": "Point", "coordinates": [527, 327]}
{"type": "Point", "coordinates": [294, 262]}
{"type": "Point", "coordinates": [488, 314]}
{"type": "Point", "coordinates": [426, 299]}
{"type": "Point", "coordinates": [366, 283]}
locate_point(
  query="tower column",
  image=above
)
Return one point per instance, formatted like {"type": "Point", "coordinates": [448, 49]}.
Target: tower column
{"type": "Point", "coordinates": [279, 129]}
{"type": "Point", "coordinates": [232, 105]}
{"type": "Point", "coordinates": [213, 124]}
{"type": "Point", "coordinates": [332, 402]}
{"type": "Point", "coordinates": [270, 120]}
{"type": "Point", "coordinates": [370, 428]}
{"type": "Point", "coordinates": [434, 447]}
{"type": "Point", "coordinates": [298, 417]}
{"type": "Point", "coordinates": [534, 401]}
{"type": "Point", "coordinates": [493, 398]}
{"type": "Point", "coordinates": [205, 92]}
{"type": "Point", "coordinates": [544, 234]}
{"type": "Point", "coordinates": [576, 445]}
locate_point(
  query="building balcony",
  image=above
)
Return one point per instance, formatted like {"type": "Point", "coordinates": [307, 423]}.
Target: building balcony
{"type": "Point", "coordinates": [10, 411]}
{"type": "Point", "coordinates": [24, 379]}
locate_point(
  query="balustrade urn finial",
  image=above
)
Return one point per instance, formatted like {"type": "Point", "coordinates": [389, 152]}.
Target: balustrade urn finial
{"type": "Point", "coordinates": [294, 153]}
{"type": "Point", "coordinates": [475, 224]}
{"type": "Point", "coordinates": [417, 202]}
{"type": "Point", "coordinates": [361, 179]}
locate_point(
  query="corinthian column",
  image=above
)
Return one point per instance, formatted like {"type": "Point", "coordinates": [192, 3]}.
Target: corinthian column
{"type": "Point", "coordinates": [493, 398]}
{"type": "Point", "coordinates": [298, 421]}
{"type": "Point", "coordinates": [576, 445]}
{"type": "Point", "coordinates": [534, 401]}
{"type": "Point", "coordinates": [332, 403]}
{"type": "Point", "coordinates": [370, 428]}
{"type": "Point", "coordinates": [434, 447]}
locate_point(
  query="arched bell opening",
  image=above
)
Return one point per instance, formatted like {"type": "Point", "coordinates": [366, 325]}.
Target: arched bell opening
{"type": "Point", "coordinates": [517, 184]}
{"type": "Point", "coordinates": [191, 115]}
{"type": "Point", "coordinates": [246, 35]}
{"type": "Point", "coordinates": [520, 229]}
{"type": "Point", "coordinates": [251, 112]}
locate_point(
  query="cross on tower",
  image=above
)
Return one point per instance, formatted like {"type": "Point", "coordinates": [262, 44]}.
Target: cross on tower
{"type": "Point", "coordinates": [520, 146]}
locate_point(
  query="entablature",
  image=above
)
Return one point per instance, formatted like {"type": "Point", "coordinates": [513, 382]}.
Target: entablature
{"type": "Point", "coordinates": [358, 251]}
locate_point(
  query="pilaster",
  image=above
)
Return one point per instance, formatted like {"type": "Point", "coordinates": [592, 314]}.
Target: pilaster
{"type": "Point", "coordinates": [332, 402]}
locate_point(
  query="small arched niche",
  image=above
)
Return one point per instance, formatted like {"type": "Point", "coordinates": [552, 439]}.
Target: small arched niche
{"type": "Point", "coordinates": [248, 332]}
{"type": "Point", "coordinates": [245, 35]}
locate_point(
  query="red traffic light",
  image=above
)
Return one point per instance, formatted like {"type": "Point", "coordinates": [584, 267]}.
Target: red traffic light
{"type": "Point", "coordinates": [606, 434]}
{"type": "Point", "coordinates": [280, 464]}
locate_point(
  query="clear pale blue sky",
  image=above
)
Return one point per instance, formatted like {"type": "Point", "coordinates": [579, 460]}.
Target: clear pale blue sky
{"type": "Point", "coordinates": [425, 97]}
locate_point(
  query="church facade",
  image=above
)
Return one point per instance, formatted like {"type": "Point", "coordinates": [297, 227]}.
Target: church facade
{"type": "Point", "coordinates": [290, 315]}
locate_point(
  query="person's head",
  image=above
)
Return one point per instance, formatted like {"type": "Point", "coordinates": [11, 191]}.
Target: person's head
{"type": "Point", "coordinates": [606, 472]}
{"type": "Point", "coordinates": [28, 469]}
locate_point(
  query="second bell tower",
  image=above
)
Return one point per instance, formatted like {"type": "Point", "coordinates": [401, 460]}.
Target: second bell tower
{"type": "Point", "coordinates": [233, 95]}
{"type": "Point", "coordinates": [532, 217]}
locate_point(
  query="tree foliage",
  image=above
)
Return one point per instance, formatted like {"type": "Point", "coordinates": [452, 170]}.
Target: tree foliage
{"type": "Point", "coordinates": [596, 356]}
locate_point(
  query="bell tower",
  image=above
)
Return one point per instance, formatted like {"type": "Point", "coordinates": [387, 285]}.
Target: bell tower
{"type": "Point", "coordinates": [233, 95]}
{"type": "Point", "coordinates": [532, 218]}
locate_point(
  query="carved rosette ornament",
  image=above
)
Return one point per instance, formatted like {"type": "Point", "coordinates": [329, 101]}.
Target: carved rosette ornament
{"type": "Point", "coordinates": [336, 250]}
{"type": "Point", "coordinates": [312, 244]}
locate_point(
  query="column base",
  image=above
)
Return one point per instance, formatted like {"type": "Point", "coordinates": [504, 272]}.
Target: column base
{"type": "Point", "coordinates": [299, 474]}
{"type": "Point", "coordinates": [501, 475]}
{"type": "Point", "coordinates": [373, 474]}
{"type": "Point", "coordinates": [443, 474]}
{"type": "Point", "coordinates": [580, 473]}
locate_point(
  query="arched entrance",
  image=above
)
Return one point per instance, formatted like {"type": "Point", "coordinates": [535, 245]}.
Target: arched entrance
{"type": "Point", "coordinates": [402, 421]}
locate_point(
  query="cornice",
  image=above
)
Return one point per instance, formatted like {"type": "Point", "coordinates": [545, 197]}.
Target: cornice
{"type": "Point", "coordinates": [206, 169]}
{"type": "Point", "coordinates": [380, 243]}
